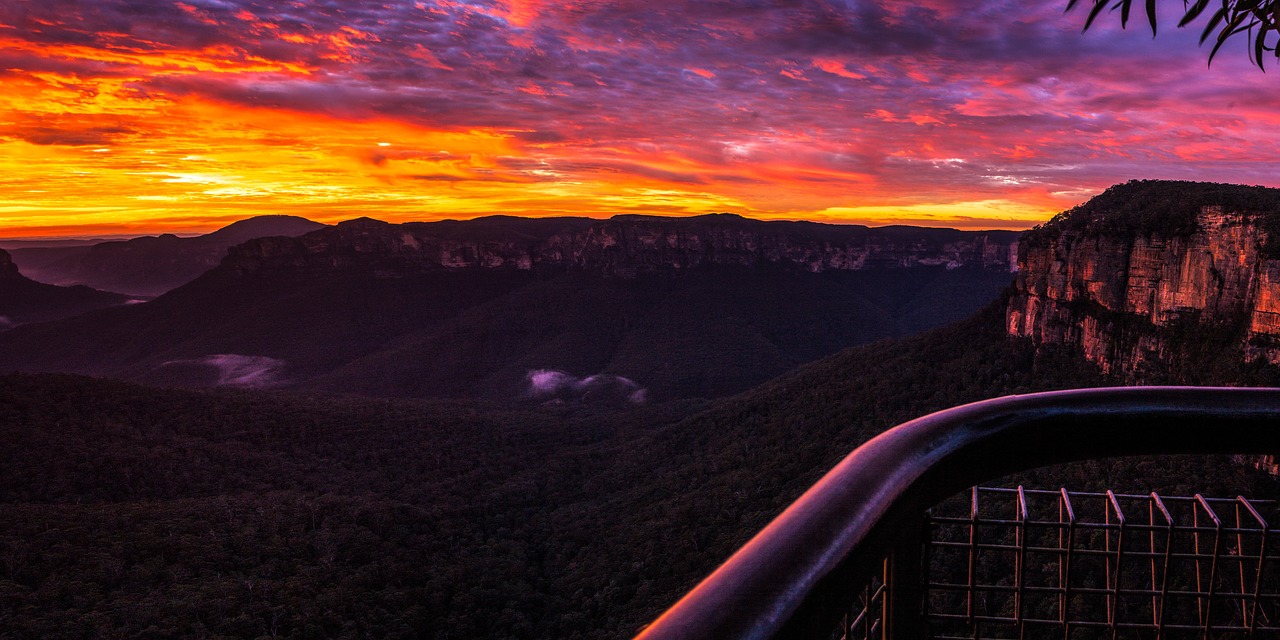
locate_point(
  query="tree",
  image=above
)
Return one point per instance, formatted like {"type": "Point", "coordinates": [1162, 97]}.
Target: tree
{"type": "Point", "coordinates": [1259, 19]}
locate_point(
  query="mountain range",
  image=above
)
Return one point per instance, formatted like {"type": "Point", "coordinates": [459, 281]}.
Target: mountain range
{"type": "Point", "coordinates": [150, 265]}
{"type": "Point", "coordinates": [504, 307]}
{"type": "Point", "coordinates": [23, 300]}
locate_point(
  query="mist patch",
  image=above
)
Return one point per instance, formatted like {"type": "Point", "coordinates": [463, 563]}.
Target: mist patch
{"type": "Point", "coordinates": [227, 370]}
{"type": "Point", "coordinates": [553, 384]}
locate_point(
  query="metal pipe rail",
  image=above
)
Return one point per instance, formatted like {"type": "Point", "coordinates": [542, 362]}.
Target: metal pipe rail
{"type": "Point", "coordinates": [810, 566]}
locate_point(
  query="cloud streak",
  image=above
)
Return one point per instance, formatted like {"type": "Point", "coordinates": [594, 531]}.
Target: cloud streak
{"type": "Point", "coordinates": [420, 110]}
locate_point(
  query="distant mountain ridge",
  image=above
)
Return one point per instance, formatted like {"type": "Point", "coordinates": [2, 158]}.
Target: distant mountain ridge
{"type": "Point", "coordinates": [23, 300]}
{"type": "Point", "coordinates": [676, 306]}
{"type": "Point", "coordinates": [151, 265]}
{"type": "Point", "coordinates": [631, 244]}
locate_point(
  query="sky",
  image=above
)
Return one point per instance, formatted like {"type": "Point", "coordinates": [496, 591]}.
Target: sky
{"type": "Point", "coordinates": [140, 116]}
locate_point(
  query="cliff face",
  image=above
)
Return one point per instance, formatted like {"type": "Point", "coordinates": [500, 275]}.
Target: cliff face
{"type": "Point", "coordinates": [1134, 302]}
{"type": "Point", "coordinates": [628, 245]}
{"type": "Point", "coordinates": [644, 244]}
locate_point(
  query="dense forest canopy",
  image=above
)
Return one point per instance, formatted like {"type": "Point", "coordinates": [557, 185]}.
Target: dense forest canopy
{"type": "Point", "coordinates": [159, 513]}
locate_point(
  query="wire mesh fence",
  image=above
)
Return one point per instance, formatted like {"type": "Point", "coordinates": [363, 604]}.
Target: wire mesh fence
{"type": "Point", "coordinates": [1019, 563]}
{"type": "Point", "coordinates": [865, 619]}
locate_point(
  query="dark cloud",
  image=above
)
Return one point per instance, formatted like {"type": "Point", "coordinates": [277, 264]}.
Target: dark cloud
{"type": "Point", "coordinates": [541, 136]}
{"type": "Point", "coordinates": [652, 172]}
{"type": "Point", "coordinates": [67, 130]}
{"type": "Point", "coordinates": [28, 63]}
{"type": "Point", "coordinates": [82, 137]}
{"type": "Point", "coordinates": [383, 155]}
{"type": "Point", "coordinates": [440, 177]}
{"type": "Point", "coordinates": [519, 163]}
{"type": "Point", "coordinates": [728, 178]}
{"type": "Point", "coordinates": [450, 178]}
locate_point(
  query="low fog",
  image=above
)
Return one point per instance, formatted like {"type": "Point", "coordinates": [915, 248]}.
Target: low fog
{"type": "Point", "coordinates": [553, 384]}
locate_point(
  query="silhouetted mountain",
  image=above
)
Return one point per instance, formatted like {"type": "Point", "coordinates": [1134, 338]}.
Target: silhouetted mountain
{"type": "Point", "coordinates": [150, 265]}
{"type": "Point", "coordinates": [23, 300]}
{"type": "Point", "coordinates": [680, 307]}
{"type": "Point", "coordinates": [34, 260]}
{"type": "Point", "coordinates": [33, 256]}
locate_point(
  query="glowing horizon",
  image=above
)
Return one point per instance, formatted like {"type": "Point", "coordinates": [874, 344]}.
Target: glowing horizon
{"type": "Point", "coordinates": [163, 116]}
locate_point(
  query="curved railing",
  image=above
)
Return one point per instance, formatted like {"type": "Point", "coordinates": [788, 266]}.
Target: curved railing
{"type": "Point", "coordinates": [798, 576]}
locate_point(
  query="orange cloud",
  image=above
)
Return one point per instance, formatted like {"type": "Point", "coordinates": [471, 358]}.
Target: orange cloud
{"type": "Point", "coordinates": [836, 67]}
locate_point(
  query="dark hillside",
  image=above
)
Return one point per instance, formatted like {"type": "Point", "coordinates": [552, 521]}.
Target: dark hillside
{"type": "Point", "coordinates": [337, 516]}
{"type": "Point", "coordinates": [314, 323]}
{"type": "Point", "coordinates": [129, 510]}
{"type": "Point", "coordinates": [711, 331]}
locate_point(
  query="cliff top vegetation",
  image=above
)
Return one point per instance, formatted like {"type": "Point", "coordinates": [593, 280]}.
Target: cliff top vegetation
{"type": "Point", "coordinates": [1168, 208]}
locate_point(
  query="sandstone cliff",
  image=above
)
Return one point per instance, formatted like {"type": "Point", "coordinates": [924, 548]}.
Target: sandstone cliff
{"type": "Point", "coordinates": [627, 245]}
{"type": "Point", "coordinates": [1135, 297]}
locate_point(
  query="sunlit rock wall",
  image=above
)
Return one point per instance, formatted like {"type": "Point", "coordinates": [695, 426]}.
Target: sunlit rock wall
{"type": "Point", "coordinates": [1119, 299]}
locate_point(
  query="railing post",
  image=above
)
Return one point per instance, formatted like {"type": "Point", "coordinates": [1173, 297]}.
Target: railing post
{"type": "Point", "coordinates": [904, 581]}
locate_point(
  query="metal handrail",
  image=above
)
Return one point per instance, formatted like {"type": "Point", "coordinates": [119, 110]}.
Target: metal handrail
{"type": "Point", "coordinates": [796, 577]}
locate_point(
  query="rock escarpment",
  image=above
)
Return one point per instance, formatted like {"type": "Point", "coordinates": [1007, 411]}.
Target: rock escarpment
{"type": "Point", "coordinates": [627, 245]}
{"type": "Point", "coordinates": [683, 307]}
{"type": "Point", "coordinates": [1135, 291]}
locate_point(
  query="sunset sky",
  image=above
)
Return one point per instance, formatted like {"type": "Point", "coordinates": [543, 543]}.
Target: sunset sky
{"type": "Point", "coordinates": [140, 116]}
